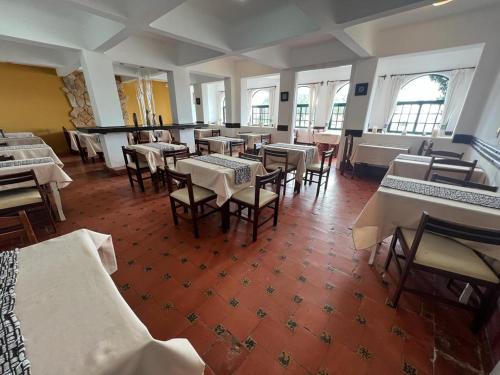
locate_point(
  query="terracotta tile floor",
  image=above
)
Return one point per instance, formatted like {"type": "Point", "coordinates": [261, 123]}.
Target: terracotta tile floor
{"type": "Point", "coordinates": [300, 300]}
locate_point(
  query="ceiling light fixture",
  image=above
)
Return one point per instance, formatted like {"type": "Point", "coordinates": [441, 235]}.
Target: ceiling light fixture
{"type": "Point", "coordinates": [442, 2]}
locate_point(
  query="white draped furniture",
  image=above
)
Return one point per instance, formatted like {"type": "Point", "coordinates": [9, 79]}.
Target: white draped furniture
{"type": "Point", "coordinates": [30, 152]}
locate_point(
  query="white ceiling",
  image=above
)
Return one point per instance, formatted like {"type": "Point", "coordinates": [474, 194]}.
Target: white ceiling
{"type": "Point", "coordinates": [163, 34]}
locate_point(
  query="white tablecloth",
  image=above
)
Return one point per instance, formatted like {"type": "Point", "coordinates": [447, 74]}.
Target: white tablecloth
{"type": "Point", "coordinates": [22, 141]}
{"type": "Point", "coordinates": [47, 174]}
{"type": "Point", "coordinates": [327, 138]}
{"type": "Point", "coordinates": [251, 139]}
{"type": "Point", "coordinates": [91, 142]}
{"type": "Point", "coordinates": [390, 208]}
{"type": "Point", "coordinates": [29, 152]}
{"type": "Point", "coordinates": [377, 154]}
{"type": "Point", "coordinates": [19, 135]}
{"type": "Point", "coordinates": [416, 166]}
{"type": "Point", "coordinates": [297, 156]}
{"type": "Point", "coordinates": [153, 155]}
{"type": "Point", "coordinates": [218, 178]}
{"type": "Point", "coordinates": [202, 133]}
{"type": "Point", "coordinates": [220, 145]}
{"type": "Point", "coordinates": [74, 320]}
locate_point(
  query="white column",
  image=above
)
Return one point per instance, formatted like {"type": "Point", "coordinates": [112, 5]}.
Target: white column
{"type": "Point", "coordinates": [198, 94]}
{"type": "Point", "coordinates": [180, 96]}
{"type": "Point", "coordinates": [286, 110]}
{"type": "Point", "coordinates": [101, 86]}
{"type": "Point", "coordinates": [358, 108]}
{"type": "Point", "coordinates": [232, 90]}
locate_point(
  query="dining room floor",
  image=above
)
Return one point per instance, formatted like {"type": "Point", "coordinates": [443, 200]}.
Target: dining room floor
{"type": "Point", "coordinates": [300, 300]}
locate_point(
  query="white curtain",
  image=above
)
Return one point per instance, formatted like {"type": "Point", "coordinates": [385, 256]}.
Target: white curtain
{"type": "Point", "coordinates": [331, 91]}
{"type": "Point", "coordinates": [393, 85]}
{"type": "Point", "coordinates": [250, 93]}
{"type": "Point", "coordinates": [458, 86]}
{"type": "Point", "coordinates": [139, 91]}
{"type": "Point", "coordinates": [272, 104]}
{"type": "Point", "coordinates": [219, 97]}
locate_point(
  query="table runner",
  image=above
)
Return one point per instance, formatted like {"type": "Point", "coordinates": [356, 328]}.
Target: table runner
{"type": "Point", "coordinates": [242, 172]}
{"type": "Point", "coordinates": [22, 147]}
{"type": "Point", "coordinates": [19, 135]}
{"type": "Point", "coordinates": [445, 192]}
{"type": "Point", "coordinates": [161, 146]}
{"type": "Point", "coordinates": [419, 158]}
{"type": "Point", "coordinates": [12, 350]}
{"type": "Point", "coordinates": [17, 163]}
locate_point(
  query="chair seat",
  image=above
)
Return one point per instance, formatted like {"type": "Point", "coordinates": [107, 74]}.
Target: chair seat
{"type": "Point", "coordinates": [199, 194]}
{"type": "Point", "coordinates": [274, 166]}
{"type": "Point", "coordinates": [247, 196]}
{"type": "Point", "coordinates": [317, 167]}
{"type": "Point", "coordinates": [19, 197]}
{"type": "Point", "coordinates": [142, 165]}
{"type": "Point", "coordinates": [449, 255]}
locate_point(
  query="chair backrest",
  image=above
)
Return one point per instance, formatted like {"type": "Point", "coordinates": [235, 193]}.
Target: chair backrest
{"type": "Point", "coordinates": [184, 179]}
{"type": "Point", "coordinates": [216, 133]}
{"type": "Point", "coordinates": [446, 154]}
{"type": "Point", "coordinates": [422, 147]}
{"type": "Point", "coordinates": [347, 153]}
{"type": "Point", "coordinates": [201, 142]}
{"type": "Point", "coordinates": [6, 157]}
{"type": "Point", "coordinates": [326, 158]}
{"type": "Point", "coordinates": [178, 143]}
{"type": "Point", "coordinates": [253, 157]}
{"type": "Point", "coordinates": [454, 181]}
{"type": "Point", "coordinates": [276, 155]}
{"type": "Point", "coordinates": [265, 139]}
{"type": "Point", "coordinates": [304, 143]}
{"type": "Point", "coordinates": [181, 156]}
{"type": "Point", "coordinates": [20, 178]}
{"type": "Point", "coordinates": [173, 153]}
{"type": "Point", "coordinates": [440, 165]}
{"type": "Point", "coordinates": [81, 150]}
{"type": "Point", "coordinates": [235, 144]}
{"type": "Point", "coordinates": [130, 156]}
{"type": "Point", "coordinates": [261, 182]}
{"type": "Point", "coordinates": [67, 137]}
{"type": "Point", "coordinates": [2, 133]}
{"type": "Point", "coordinates": [4, 144]}
{"type": "Point", "coordinates": [16, 231]}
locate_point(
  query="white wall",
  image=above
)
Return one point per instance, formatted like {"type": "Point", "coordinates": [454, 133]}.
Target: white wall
{"type": "Point", "coordinates": [210, 100]}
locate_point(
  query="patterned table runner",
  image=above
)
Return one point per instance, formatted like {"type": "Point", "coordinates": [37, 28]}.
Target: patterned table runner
{"type": "Point", "coordinates": [419, 158]}
{"type": "Point", "coordinates": [242, 171]}
{"type": "Point", "coordinates": [17, 163]}
{"type": "Point", "coordinates": [22, 147]}
{"type": "Point", "coordinates": [163, 146]}
{"type": "Point", "coordinates": [222, 139]}
{"type": "Point", "coordinates": [309, 150]}
{"type": "Point", "coordinates": [13, 359]}
{"type": "Point", "coordinates": [445, 192]}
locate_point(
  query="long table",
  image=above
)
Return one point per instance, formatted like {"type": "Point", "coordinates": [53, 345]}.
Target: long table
{"type": "Point", "coordinates": [152, 152]}
{"type": "Point", "coordinates": [392, 207]}
{"type": "Point", "coordinates": [379, 155]}
{"type": "Point", "coordinates": [74, 320]}
{"type": "Point", "coordinates": [31, 140]}
{"type": "Point", "coordinates": [30, 152]}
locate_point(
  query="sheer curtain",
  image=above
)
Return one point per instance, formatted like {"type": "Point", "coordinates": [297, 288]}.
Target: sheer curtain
{"type": "Point", "coordinates": [458, 86]}
{"type": "Point", "coordinates": [250, 93]}
{"type": "Point", "coordinates": [272, 101]}
{"type": "Point", "coordinates": [331, 90]}
{"type": "Point", "coordinates": [393, 85]}
{"type": "Point", "coordinates": [219, 97]}
{"type": "Point", "coordinates": [313, 107]}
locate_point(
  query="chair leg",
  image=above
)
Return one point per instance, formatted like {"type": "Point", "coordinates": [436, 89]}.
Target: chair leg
{"type": "Point", "coordinates": [276, 208]}
{"type": "Point", "coordinates": [194, 217]}
{"type": "Point", "coordinates": [310, 178]}
{"type": "Point", "coordinates": [401, 283]}
{"type": "Point", "coordinates": [255, 223]}
{"type": "Point", "coordinates": [319, 185]}
{"type": "Point", "coordinates": [327, 178]}
{"type": "Point", "coordinates": [130, 178]}
{"type": "Point", "coordinates": [156, 182]}
{"type": "Point", "coordinates": [140, 180]}
{"type": "Point", "coordinates": [174, 211]}
{"type": "Point", "coordinates": [284, 182]}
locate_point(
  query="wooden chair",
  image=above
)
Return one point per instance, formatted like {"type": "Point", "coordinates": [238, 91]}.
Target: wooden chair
{"type": "Point", "coordinates": [2, 133]}
{"type": "Point", "coordinates": [67, 137]}
{"type": "Point", "coordinates": [253, 157]}
{"type": "Point", "coordinates": [16, 231]}
{"type": "Point", "coordinates": [82, 150]}
{"type": "Point", "coordinates": [191, 198]}
{"type": "Point", "coordinates": [237, 146]}
{"type": "Point", "coordinates": [423, 147]}
{"type": "Point", "coordinates": [440, 165]}
{"type": "Point", "coordinates": [6, 157]}
{"type": "Point", "coordinates": [265, 139]}
{"type": "Point", "coordinates": [30, 197]}
{"type": "Point", "coordinates": [216, 133]}
{"type": "Point", "coordinates": [257, 198]}
{"type": "Point", "coordinates": [454, 181]}
{"type": "Point", "coordinates": [136, 167]}
{"type": "Point", "coordinates": [3, 144]}
{"type": "Point", "coordinates": [445, 154]}
{"type": "Point", "coordinates": [202, 145]}
{"type": "Point", "coordinates": [345, 163]}
{"type": "Point", "coordinates": [320, 169]}
{"type": "Point", "coordinates": [171, 154]}
{"type": "Point", "coordinates": [283, 164]}
{"type": "Point", "coordinates": [435, 248]}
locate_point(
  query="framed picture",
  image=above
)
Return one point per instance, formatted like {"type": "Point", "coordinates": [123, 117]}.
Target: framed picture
{"type": "Point", "coordinates": [284, 96]}
{"type": "Point", "coordinates": [361, 89]}
{"type": "Point", "coordinates": [198, 101]}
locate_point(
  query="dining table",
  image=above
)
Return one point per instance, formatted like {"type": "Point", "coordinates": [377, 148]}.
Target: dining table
{"type": "Point", "coordinates": [70, 318]}
{"type": "Point", "coordinates": [416, 166]}
{"type": "Point", "coordinates": [328, 138]}
{"type": "Point", "coordinates": [400, 202]}
{"type": "Point", "coordinates": [379, 155]}
{"type": "Point", "coordinates": [30, 152]}
{"type": "Point", "coordinates": [153, 152]}
{"type": "Point", "coordinates": [252, 138]}
{"type": "Point", "coordinates": [202, 133]}
{"type": "Point", "coordinates": [47, 173]}
{"type": "Point", "coordinates": [30, 140]}
{"type": "Point", "coordinates": [220, 144]}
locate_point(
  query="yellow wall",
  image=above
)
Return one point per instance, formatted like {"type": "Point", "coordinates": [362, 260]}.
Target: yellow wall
{"type": "Point", "coordinates": [162, 101]}
{"type": "Point", "coordinates": [31, 99]}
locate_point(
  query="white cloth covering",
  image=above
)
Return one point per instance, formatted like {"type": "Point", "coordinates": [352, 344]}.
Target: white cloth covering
{"type": "Point", "coordinates": [19, 135]}
{"type": "Point", "coordinates": [220, 144]}
{"type": "Point", "coordinates": [390, 208]}
{"type": "Point", "coordinates": [91, 142]}
{"type": "Point", "coordinates": [251, 139]}
{"type": "Point", "coordinates": [22, 141]}
{"type": "Point", "coordinates": [377, 154]}
{"type": "Point", "coordinates": [327, 138]}
{"type": "Point", "coordinates": [153, 155]}
{"type": "Point", "coordinates": [458, 86]}
{"type": "Point", "coordinates": [202, 133]}
{"type": "Point", "coordinates": [74, 320]}
{"type": "Point", "coordinates": [33, 152]}
{"type": "Point", "coordinates": [418, 167]}
{"type": "Point", "coordinates": [218, 178]}
{"type": "Point", "coordinates": [297, 156]}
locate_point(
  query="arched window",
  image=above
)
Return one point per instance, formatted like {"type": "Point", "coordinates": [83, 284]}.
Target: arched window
{"type": "Point", "coordinates": [420, 105]}
{"type": "Point", "coordinates": [303, 111]}
{"type": "Point", "coordinates": [260, 108]}
{"type": "Point", "coordinates": [338, 108]}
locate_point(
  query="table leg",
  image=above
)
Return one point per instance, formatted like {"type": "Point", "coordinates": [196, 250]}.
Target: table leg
{"type": "Point", "coordinates": [57, 200]}
{"type": "Point", "coordinates": [374, 253]}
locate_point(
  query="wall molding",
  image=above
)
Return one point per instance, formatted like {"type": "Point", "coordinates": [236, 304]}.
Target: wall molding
{"type": "Point", "coordinates": [489, 152]}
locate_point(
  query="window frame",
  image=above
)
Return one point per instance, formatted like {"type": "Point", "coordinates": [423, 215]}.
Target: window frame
{"type": "Point", "coordinates": [262, 114]}
{"type": "Point", "coordinates": [302, 110]}
{"type": "Point", "coordinates": [337, 106]}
